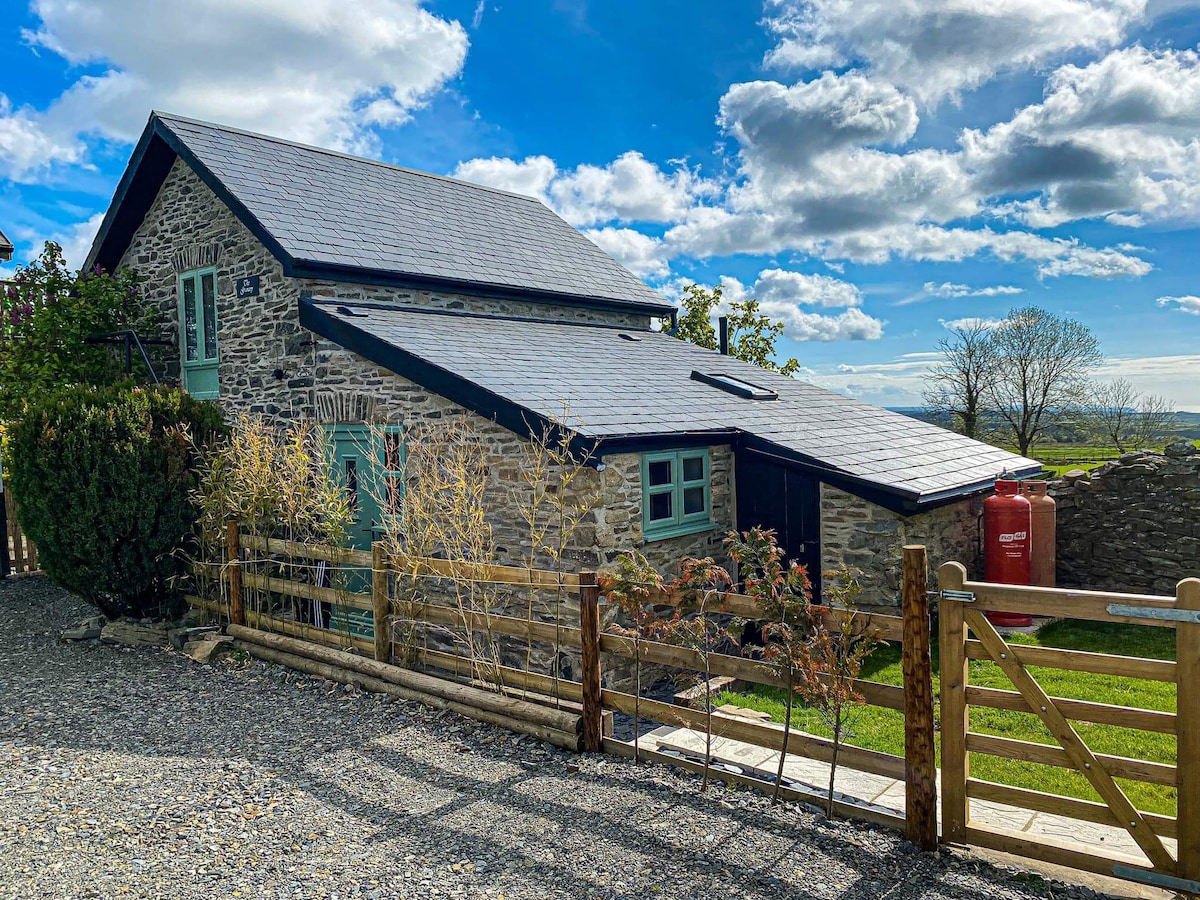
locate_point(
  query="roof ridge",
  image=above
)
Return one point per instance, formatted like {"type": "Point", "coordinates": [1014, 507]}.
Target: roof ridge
{"type": "Point", "coordinates": [168, 117]}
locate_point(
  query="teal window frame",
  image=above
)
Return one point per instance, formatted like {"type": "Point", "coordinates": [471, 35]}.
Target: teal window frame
{"type": "Point", "coordinates": [680, 522]}
{"type": "Point", "coordinates": [203, 363]}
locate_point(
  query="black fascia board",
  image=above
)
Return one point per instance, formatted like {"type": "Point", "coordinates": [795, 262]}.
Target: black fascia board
{"type": "Point", "coordinates": [517, 419]}
{"type": "Point", "coordinates": [139, 185]}
{"type": "Point", "coordinates": [675, 440]}
{"type": "Point", "coordinates": [340, 272]}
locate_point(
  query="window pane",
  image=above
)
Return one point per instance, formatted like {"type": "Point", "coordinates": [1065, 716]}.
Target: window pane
{"type": "Point", "coordinates": [352, 482]}
{"type": "Point", "coordinates": [660, 507]}
{"type": "Point", "coordinates": [189, 320]}
{"type": "Point", "coordinates": [660, 472]}
{"type": "Point", "coordinates": [208, 295]}
{"type": "Point", "coordinates": [693, 468]}
{"type": "Point", "coordinates": [391, 451]}
{"type": "Point", "coordinates": [693, 500]}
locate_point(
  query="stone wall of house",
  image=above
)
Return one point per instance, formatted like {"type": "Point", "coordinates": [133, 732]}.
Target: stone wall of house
{"type": "Point", "coordinates": [1133, 525]}
{"type": "Point", "coordinates": [869, 538]}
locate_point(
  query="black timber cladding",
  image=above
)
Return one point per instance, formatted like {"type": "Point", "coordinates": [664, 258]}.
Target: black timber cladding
{"type": "Point", "coordinates": [636, 395]}
{"type": "Point", "coordinates": [332, 216]}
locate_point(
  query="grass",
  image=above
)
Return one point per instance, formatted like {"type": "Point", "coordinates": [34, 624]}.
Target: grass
{"type": "Point", "coordinates": [883, 729]}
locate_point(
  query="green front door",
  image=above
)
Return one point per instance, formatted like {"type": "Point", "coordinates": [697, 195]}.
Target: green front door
{"type": "Point", "coordinates": [198, 333]}
{"type": "Point", "coordinates": [356, 468]}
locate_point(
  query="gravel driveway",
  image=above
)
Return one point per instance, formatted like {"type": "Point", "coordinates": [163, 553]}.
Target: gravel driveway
{"type": "Point", "coordinates": [138, 773]}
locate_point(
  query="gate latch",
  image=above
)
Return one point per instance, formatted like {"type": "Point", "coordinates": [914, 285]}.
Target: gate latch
{"type": "Point", "coordinates": [960, 596]}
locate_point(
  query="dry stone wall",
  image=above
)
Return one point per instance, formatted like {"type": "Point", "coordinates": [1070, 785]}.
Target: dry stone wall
{"type": "Point", "coordinates": [1133, 525]}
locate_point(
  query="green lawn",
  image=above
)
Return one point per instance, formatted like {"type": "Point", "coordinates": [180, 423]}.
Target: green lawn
{"type": "Point", "coordinates": [883, 729]}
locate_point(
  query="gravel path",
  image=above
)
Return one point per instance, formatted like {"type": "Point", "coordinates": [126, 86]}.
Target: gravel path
{"type": "Point", "coordinates": [130, 773]}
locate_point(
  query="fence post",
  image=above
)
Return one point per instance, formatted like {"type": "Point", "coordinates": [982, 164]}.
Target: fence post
{"type": "Point", "coordinates": [920, 766]}
{"type": "Point", "coordinates": [233, 543]}
{"type": "Point", "coordinates": [381, 603]}
{"type": "Point", "coordinates": [1187, 723]}
{"type": "Point", "coordinates": [952, 653]}
{"type": "Point", "coordinates": [589, 626]}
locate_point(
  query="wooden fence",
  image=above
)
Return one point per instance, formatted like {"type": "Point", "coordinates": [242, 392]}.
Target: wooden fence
{"type": "Point", "coordinates": [963, 604]}
{"type": "Point", "coordinates": [22, 554]}
{"type": "Point", "coordinates": [594, 646]}
{"type": "Point", "coordinates": [965, 635]}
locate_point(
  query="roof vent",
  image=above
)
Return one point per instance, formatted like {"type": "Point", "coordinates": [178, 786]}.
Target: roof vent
{"type": "Point", "coordinates": [353, 313]}
{"type": "Point", "coordinates": [735, 385]}
{"type": "Point", "coordinates": [628, 337]}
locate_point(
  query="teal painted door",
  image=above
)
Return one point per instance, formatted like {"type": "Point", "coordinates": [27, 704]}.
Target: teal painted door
{"type": "Point", "coordinates": [198, 333]}
{"type": "Point", "coordinates": [355, 467]}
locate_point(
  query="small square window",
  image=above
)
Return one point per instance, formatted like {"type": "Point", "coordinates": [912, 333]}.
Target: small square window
{"type": "Point", "coordinates": [676, 494]}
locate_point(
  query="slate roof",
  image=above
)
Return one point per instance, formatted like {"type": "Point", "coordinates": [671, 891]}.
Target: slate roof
{"type": "Point", "coordinates": [624, 392]}
{"type": "Point", "coordinates": [325, 213]}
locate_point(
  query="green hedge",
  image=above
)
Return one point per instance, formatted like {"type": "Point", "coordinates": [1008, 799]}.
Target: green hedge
{"type": "Point", "coordinates": [104, 478]}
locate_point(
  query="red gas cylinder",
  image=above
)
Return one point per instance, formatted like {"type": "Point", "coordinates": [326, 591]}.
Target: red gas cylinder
{"type": "Point", "coordinates": [1043, 511]}
{"type": "Point", "coordinates": [1007, 523]}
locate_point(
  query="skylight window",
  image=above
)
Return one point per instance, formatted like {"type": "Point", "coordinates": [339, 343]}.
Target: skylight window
{"type": "Point", "coordinates": [735, 386]}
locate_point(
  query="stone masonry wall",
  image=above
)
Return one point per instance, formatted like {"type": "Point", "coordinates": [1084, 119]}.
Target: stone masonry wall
{"type": "Point", "coordinates": [870, 538]}
{"type": "Point", "coordinates": [1133, 525]}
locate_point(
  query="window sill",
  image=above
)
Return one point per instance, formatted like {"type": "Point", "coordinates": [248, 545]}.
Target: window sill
{"type": "Point", "coordinates": [674, 531]}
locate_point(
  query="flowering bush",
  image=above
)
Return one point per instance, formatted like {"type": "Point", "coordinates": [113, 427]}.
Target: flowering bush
{"type": "Point", "coordinates": [46, 315]}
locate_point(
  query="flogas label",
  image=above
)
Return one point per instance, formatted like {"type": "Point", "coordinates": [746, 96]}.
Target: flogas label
{"type": "Point", "coordinates": [1013, 537]}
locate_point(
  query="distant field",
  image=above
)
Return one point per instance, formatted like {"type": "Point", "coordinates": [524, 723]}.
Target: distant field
{"type": "Point", "coordinates": [1062, 458]}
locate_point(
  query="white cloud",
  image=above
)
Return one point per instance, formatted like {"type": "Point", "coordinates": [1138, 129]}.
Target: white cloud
{"type": "Point", "coordinates": [640, 254]}
{"type": "Point", "coordinates": [949, 289]}
{"type": "Point", "coordinates": [76, 241]}
{"type": "Point", "coordinates": [309, 70]}
{"type": "Point", "coordinates": [799, 325]}
{"type": "Point", "coordinates": [780, 286]}
{"type": "Point", "coordinates": [970, 322]}
{"type": "Point", "coordinates": [1188, 304]}
{"type": "Point", "coordinates": [936, 49]}
{"type": "Point", "coordinates": [1116, 139]}
{"type": "Point", "coordinates": [629, 189]}
{"type": "Point", "coordinates": [531, 176]}
{"type": "Point", "coordinates": [785, 128]}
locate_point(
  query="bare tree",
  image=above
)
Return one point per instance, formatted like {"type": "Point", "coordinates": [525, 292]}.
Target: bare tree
{"type": "Point", "coordinates": [1042, 362]}
{"type": "Point", "coordinates": [958, 386]}
{"type": "Point", "coordinates": [1127, 418]}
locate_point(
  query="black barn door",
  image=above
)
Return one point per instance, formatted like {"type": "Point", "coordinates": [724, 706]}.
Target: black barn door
{"type": "Point", "coordinates": [772, 495]}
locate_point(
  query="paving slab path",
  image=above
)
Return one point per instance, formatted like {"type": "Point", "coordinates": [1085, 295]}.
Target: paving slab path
{"type": "Point", "coordinates": [140, 773]}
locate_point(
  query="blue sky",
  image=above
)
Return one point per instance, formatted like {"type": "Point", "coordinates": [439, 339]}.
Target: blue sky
{"type": "Point", "coordinates": [869, 171]}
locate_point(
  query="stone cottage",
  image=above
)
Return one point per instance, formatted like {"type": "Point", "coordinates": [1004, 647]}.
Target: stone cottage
{"type": "Point", "coordinates": [300, 282]}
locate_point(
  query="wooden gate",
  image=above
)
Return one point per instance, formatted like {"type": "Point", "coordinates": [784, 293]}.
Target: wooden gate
{"type": "Point", "coordinates": [962, 607]}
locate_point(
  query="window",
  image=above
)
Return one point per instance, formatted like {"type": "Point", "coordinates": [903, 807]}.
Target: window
{"type": "Point", "coordinates": [391, 468]}
{"type": "Point", "coordinates": [198, 332]}
{"type": "Point", "coordinates": [676, 495]}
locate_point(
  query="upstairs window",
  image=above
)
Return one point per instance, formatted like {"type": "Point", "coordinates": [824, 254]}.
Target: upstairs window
{"type": "Point", "coordinates": [676, 493]}
{"type": "Point", "coordinates": [198, 332]}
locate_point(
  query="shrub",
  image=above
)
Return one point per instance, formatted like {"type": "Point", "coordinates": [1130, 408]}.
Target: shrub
{"type": "Point", "coordinates": [104, 477]}
{"type": "Point", "coordinates": [47, 314]}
